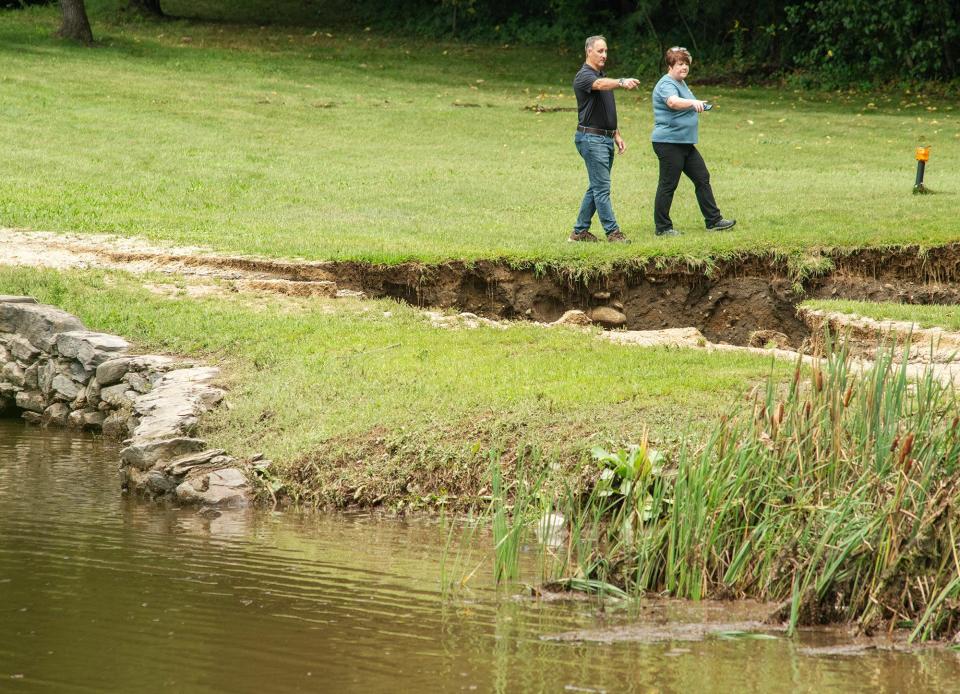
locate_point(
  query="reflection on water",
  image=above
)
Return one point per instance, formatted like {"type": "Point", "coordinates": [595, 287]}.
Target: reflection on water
{"type": "Point", "coordinates": [99, 592]}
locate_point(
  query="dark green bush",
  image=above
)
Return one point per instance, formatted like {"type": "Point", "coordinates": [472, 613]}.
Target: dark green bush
{"type": "Point", "coordinates": [848, 41]}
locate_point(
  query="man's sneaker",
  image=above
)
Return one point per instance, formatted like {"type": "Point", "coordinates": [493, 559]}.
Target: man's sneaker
{"type": "Point", "coordinates": [582, 236]}
{"type": "Point", "coordinates": [722, 225]}
{"type": "Point", "coordinates": [616, 236]}
{"type": "Point", "coordinates": [667, 232]}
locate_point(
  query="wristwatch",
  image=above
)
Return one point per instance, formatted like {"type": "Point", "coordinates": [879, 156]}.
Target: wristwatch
{"type": "Point", "coordinates": [620, 82]}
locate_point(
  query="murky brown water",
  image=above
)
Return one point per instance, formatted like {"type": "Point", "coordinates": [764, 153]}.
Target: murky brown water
{"type": "Point", "coordinates": [103, 593]}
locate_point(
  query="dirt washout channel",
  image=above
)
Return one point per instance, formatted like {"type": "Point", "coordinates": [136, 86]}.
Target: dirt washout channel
{"type": "Point", "coordinates": [727, 300]}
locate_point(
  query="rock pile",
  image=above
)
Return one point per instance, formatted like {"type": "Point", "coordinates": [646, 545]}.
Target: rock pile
{"type": "Point", "coordinates": [57, 373]}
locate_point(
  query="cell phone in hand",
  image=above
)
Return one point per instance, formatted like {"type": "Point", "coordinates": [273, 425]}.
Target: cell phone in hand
{"type": "Point", "coordinates": [707, 106]}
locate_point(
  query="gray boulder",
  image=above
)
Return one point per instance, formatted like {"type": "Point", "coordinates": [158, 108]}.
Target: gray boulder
{"type": "Point", "coordinates": [22, 349]}
{"type": "Point", "coordinates": [46, 370]}
{"type": "Point", "coordinates": [227, 487]}
{"type": "Point", "coordinates": [116, 425]}
{"type": "Point", "coordinates": [89, 348]}
{"type": "Point", "coordinates": [31, 400]}
{"type": "Point", "coordinates": [176, 402]}
{"type": "Point", "coordinates": [118, 396]}
{"type": "Point", "coordinates": [182, 464]}
{"type": "Point", "coordinates": [158, 484]}
{"type": "Point", "coordinates": [56, 415]}
{"type": "Point", "coordinates": [93, 392]}
{"type": "Point", "coordinates": [75, 419]}
{"type": "Point", "coordinates": [92, 420]}
{"type": "Point", "coordinates": [77, 371]}
{"type": "Point", "coordinates": [30, 377]}
{"type": "Point", "coordinates": [138, 382]}
{"type": "Point", "coordinates": [39, 324]}
{"type": "Point", "coordinates": [112, 370]}
{"type": "Point", "coordinates": [65, 387]}
{"type": "Point", "coordinates": [87, 419]}
{"type": "Point", "coordinates": [13, 373]}
{"type": "Point", "coordinates": [145, 454]}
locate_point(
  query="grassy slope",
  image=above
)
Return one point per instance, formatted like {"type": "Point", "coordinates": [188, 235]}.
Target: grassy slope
{"type": "Point", "coordinates": [301, 142]}
{"type": "Point", "coordinates": [947, 317]}
{"type": "Point", "coordinates": [383, 400]}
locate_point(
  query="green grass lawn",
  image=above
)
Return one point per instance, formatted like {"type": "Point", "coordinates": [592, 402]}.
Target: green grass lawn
{"type": "Point", "coordinates": [369, 394]}
{"type": "Point", "coordinates": [940, 316]}
{"type": "Point", "coordinates": [313, 143]}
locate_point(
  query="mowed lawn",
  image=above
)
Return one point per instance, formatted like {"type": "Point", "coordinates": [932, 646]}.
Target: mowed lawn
{"type": "Point", "coordinates": [308, 142]}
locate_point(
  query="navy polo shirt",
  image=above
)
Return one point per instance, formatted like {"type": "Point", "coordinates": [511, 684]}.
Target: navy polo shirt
{"type": "Point", "coordinates": [596, 109]}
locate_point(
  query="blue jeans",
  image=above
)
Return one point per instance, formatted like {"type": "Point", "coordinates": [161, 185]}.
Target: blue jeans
{"type": "Point", "coordinates": [597, 153]}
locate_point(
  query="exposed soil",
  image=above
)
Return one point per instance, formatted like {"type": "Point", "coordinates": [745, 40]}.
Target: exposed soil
{"type": "Point", "coordinates": [726, 302]}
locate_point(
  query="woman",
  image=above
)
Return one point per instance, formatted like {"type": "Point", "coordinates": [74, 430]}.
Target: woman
{"type": "Point", "coordinates": [676, 113]}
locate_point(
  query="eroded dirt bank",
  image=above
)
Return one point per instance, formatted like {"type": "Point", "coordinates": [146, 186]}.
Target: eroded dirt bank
{"type": "Point", "coordinates": [726, 301]}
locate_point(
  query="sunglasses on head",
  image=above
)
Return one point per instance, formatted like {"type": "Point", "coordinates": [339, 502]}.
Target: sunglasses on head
{"type": "Point", "coordinates": [678, 48]}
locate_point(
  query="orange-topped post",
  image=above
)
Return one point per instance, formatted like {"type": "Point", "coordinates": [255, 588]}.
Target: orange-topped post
{"type": "Point", "coordinates": [922, 155]}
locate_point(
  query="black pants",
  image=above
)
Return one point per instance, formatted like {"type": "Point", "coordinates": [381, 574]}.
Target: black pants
{"type": "Point", "coordinates": [674, 160]}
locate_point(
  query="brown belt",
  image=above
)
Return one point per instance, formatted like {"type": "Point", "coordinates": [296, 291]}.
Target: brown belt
{"type": "Point", "coordinates": [596, 131]}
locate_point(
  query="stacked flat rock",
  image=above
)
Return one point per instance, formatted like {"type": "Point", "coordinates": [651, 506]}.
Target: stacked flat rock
{"type": "Point", "coordinates": [55, 372]}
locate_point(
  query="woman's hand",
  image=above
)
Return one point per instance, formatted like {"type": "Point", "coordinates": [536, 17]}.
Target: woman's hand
{"type": "Point", "coordinates": [678, 104]}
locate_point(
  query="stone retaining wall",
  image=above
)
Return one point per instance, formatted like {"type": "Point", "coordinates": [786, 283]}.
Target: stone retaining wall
{"type": "Point", "coordinates": [57, 373]}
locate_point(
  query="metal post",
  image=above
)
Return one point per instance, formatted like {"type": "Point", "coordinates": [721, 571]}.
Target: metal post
{"type": "Point", "coordinates": [922, 154]}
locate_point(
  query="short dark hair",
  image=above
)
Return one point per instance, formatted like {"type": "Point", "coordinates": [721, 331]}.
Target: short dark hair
{"type": "Point", "coordinates": [592, 40]}
{"type": "Point", "coordinates": [677, 54]}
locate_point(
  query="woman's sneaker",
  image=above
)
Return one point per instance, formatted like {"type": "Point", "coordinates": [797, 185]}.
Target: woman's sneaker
{"type": "Point", "coordinates": [582, 236]}
{"type": "Point", "coordinates": [722, 225]}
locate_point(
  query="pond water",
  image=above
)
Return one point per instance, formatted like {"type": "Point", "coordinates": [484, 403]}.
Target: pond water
{"type": "Point", "coordinates": [100, 592]}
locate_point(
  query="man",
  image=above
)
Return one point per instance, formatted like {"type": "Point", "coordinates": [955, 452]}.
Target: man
{"type": "Point", "coordinates": [596, 137]}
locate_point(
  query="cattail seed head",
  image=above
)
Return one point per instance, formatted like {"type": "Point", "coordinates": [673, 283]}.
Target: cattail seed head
{"type": "Point", "coordinates": [847, 395]}
{"type": "Point", "coordinates": [778, 413]}
{"type": "Point", "coordinates": [907, 447]}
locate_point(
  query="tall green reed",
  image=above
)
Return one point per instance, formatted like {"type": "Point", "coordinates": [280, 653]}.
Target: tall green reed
{"type": "Point", "coordinates": [836, 494]}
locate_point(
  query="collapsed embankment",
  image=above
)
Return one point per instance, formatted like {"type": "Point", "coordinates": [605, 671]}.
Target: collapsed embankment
{"type": "Point", "coordinates": [726, 298]}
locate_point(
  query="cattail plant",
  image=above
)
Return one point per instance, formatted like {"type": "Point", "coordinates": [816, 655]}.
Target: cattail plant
{"type": "Point", "coordinates": [837, 497]}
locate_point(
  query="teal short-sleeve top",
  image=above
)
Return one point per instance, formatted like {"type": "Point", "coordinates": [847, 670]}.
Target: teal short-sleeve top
{"type": "Point", "coordinates": [673, 126]}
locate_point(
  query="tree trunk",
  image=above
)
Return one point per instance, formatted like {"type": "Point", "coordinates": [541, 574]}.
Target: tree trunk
{"type": "Point", "coordinates": [146, 8]}
{"type": "Point", "coordinates": [75, 24]}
